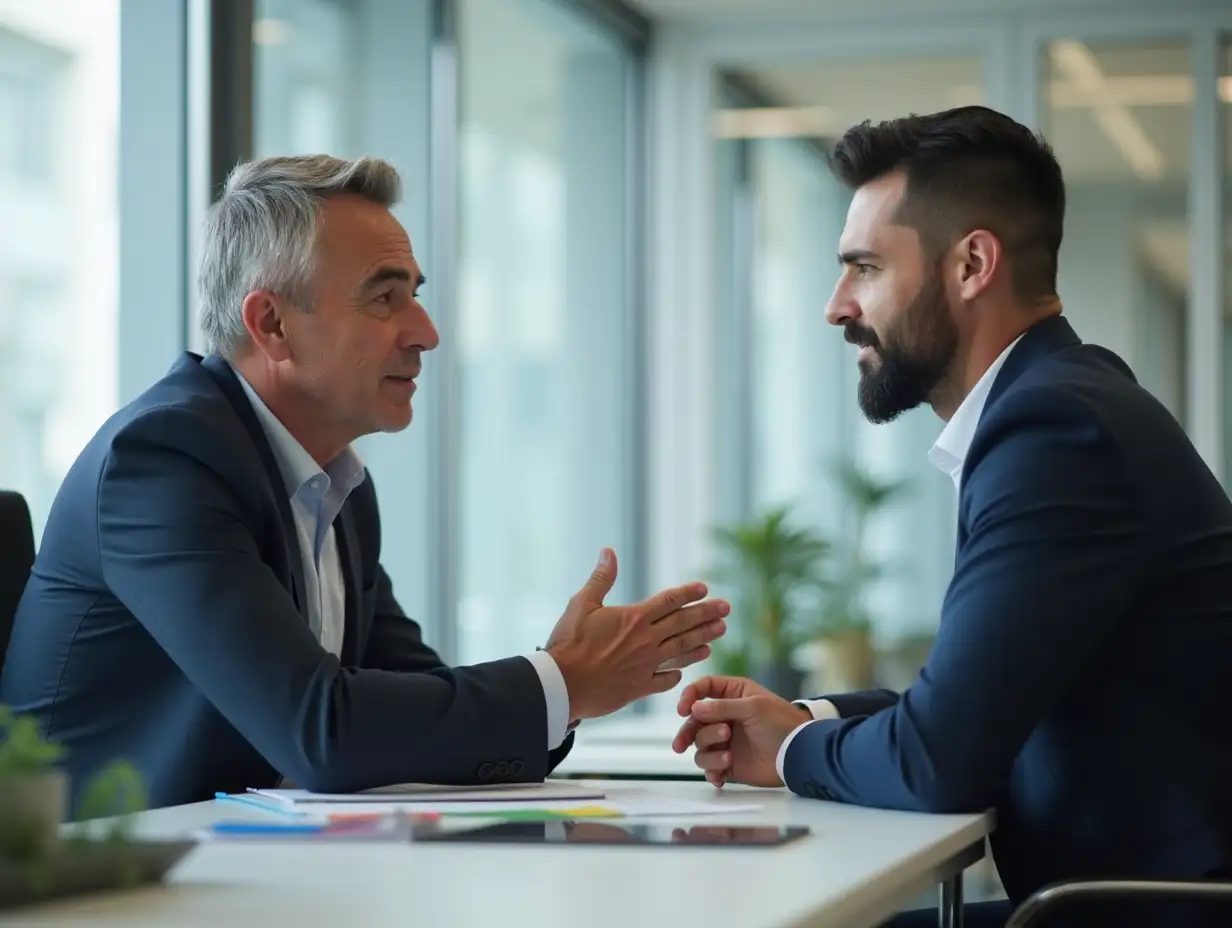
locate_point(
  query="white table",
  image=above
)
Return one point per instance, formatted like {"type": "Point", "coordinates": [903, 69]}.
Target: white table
{"type": "Point", "coordinates": [859, 867]}
{"type": "Point", "coordinates": [635, 748]}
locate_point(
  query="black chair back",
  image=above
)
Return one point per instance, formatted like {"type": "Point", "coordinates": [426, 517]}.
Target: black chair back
{"type": "Point", "coordinates": [16, 559]}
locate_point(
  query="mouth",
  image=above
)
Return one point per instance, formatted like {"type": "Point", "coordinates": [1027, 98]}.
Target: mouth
{"type": "Point", "coordinates": [405, 381]}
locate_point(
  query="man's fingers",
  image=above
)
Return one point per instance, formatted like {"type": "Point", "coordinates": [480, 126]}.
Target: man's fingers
{"type": "Point", "coordinates": [670, 601]}
{"type": "Point", "coordinates": [711, 711]}
{"type": "Point", "coordinates": [684, 738]}
{"type": "Point", "coordinates": [673, 650]}
{"type": "Point", "coordinates": [716, 761]}
{"type": "Point", "coordinates": [601, 580]}
{"type": "Point", "coordinates": [699, 615]}
{"type": "Point", "coordinates": [711, 687]}
{"type": "Point", "coordinates": [712, 737]}
{"type": "Point", "coordinates": [688, 659]}
{"type": "Point", "coordinates": [664, 680]}
{"type": "Point", "coordinates": [716, 779]}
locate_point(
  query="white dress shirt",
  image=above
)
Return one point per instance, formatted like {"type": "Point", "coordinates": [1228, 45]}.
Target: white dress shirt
{"type": "Point", "coordinates": [317, 496]}
{"type": "Point", "coordinates": [948, 454]}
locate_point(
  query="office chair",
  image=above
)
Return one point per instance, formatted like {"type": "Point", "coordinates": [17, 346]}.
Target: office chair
{"type": "Point", "coordinates": [16, 559]}
{"type": "Point", "coordinates": [1050, 899]}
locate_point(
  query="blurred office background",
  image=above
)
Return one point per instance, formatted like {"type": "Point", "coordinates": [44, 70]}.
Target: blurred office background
{"type": "Point", "coordinates": [628, 229]}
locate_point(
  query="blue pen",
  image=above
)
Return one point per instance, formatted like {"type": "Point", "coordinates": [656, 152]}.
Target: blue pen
{"type": "Point", "coordinates": [258, 804]}
{"type": "Point", "coordinates": [256, 828]}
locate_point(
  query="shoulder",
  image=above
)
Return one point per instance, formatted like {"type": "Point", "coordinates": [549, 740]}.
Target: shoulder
{"type": "Point", "coordinates": [1054, 432]}
{"type": "Point", "coordinates": [182, 435]}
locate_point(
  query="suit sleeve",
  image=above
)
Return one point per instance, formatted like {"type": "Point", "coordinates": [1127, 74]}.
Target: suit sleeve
{"type": "Point", "coordinates": [179, 551]}
{"type": "Point", "coordinates": [1054, 549]}
{"type": "Point", "coordinates": [862, 702]}
{"type": "Point", "coordinates": [396, 643]}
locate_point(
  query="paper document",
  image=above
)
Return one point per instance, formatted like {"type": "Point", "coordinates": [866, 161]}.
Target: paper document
{"type": "Point", "coordinates": [421, 793]}
{"type": "Point", "coordinates": [619, 803]}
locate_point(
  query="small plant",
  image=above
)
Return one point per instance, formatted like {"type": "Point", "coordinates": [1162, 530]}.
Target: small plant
{"type": "Point", "coordinates": [24, 750]}
{"type": "Point", "coordinates": [116, 793]}
{"type": "Point", "coordinates": [775, 572]}
{"type": "Point", "coordinates": [845, 608]}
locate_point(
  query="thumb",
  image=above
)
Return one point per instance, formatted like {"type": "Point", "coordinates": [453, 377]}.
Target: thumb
{"type": "Point", "coordinates": [725, 710]}
{"type": "Point", "coordinates": [603, 578]}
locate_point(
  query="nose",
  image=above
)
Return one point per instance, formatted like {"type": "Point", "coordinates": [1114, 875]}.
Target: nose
{"type": "Point", "coordinates": [842, 307]}
{"type": "Point", "coordinates": [420, 331]}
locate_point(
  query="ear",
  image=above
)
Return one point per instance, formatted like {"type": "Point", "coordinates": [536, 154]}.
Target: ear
{"type": "Point", "coordinates": [263, 312]}
{"type": "Point", "coordinates": [979, 259]}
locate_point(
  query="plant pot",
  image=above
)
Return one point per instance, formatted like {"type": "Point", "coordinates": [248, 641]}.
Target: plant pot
{"type": "Point", "coordinates": [848, 661]}
{"type": "Point", "coordinates": [781, 679]}
{"type": "Point", "coordinates": [32, 808]}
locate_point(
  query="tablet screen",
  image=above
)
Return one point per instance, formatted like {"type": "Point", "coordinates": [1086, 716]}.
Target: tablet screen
{"type": "Point", "coordinates": [587, 832]}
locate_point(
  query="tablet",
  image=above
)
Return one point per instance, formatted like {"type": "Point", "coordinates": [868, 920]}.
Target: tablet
{"type": "Point", "coordinates": [592, 833]}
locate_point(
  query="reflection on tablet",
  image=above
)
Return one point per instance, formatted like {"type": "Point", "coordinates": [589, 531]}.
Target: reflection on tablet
{"type": "Point", "coordinates": [581, 832]}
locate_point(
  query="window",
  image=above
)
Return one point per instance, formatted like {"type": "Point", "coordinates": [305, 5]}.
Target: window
{"type": "Point", "coordinates": [29, 78]}
{"type": "Point", "coordinates": [301, 75]}
{"type": "Point", "coordinates": [350, 78]}
{"type": "Point", "coordinates": [59, 100]}
{"type": "Point", "coordinates": [803, 417]}
{"type": "Point", "coordinates": [1121, 132]}
{"type": "Point", "coordinates": [544, 316]}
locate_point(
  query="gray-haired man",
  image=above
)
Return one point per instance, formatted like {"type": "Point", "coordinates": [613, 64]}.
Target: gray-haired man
{"type": "Point", "coordinates": [209, 601]}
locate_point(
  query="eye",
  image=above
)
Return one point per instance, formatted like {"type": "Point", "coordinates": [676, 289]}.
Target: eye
{"type": "Point", "coordinates": [384, 297]}
{"type": "Point", "coordinates": [863, 270]}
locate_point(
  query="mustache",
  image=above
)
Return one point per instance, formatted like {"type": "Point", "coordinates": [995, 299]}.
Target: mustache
{"type": "Point", "coordinates": [860, 336]}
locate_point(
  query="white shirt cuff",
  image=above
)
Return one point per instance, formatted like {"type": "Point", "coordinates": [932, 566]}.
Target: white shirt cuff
{"type": "Point", "coordinates": [821, 709]}
{"type": "Point", "coordinates": [555, 696]}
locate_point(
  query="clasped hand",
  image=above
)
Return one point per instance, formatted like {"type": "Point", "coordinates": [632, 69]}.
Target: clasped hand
{"type": "Point", "coordinates": [737, 728]}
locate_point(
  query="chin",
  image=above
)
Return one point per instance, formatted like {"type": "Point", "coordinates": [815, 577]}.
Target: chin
{"type": "Point", "coordinates": [396, 421]}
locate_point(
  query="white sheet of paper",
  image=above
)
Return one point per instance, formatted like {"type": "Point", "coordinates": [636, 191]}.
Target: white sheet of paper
{"type": "Point", "coordinates": [419, 794]}
{"type": "Point", "coordinates": [633, 803]}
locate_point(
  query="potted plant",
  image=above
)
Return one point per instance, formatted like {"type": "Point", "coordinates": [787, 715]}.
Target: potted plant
{"type": "Point", "coordinates": [33, 790]}
{"type": "Point", "coordinates": [845, 623]}
{"type": "Point", "coordinates": [775, 571]}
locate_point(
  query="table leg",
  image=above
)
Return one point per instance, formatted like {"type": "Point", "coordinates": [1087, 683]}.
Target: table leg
{"type": "Point", "coordinates": [950, 907]}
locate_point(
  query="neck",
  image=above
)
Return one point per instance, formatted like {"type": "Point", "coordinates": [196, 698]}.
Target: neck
{"type": "Point", "coordinates": [983, 349]}
{"type": "Point", "coordinates": [302, 418]}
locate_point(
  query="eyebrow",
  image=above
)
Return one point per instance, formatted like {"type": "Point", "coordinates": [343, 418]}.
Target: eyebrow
{"type": "Point", "coordinates": [856, 256]}
{"type": "Point", "coordinates": [380, 275]}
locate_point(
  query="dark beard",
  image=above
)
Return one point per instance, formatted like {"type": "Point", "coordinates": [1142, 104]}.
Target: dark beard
{"type": "Point", "coordinates": [915, 356]}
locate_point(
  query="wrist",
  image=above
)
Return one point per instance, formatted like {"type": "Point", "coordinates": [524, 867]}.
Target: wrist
{"type": "Point", "coordinates": [573, 683]}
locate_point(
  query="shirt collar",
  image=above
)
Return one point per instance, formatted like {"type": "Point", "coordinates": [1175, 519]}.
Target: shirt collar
{"type": "Point", "coordinates": [297, 466]}
{"type": "Point", "coordinates": [949, 452]}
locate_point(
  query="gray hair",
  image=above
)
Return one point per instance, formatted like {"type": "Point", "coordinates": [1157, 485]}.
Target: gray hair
{"type": "Point", "coordinates": [262, 233]}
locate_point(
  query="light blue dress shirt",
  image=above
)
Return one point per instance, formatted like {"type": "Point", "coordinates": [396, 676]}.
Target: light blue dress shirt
{"type": "Point", "coordinates": [317, 496]}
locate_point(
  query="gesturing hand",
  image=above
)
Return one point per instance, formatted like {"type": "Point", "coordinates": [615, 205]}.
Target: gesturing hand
{"type": "Point", "coordinates": [609, 655]}
{"type": "Point", "coordinates": [737, 727]}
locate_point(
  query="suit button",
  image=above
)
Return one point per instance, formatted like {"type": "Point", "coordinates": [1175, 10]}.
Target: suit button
{"type": "Point", "coordinates": [502, 769]}
{"type": "Point", "coordinates": [810, 790]}
{"type": "Point", "coordinates": [516, 767]}
{"type": "Point", "coordinates": [485, 772]}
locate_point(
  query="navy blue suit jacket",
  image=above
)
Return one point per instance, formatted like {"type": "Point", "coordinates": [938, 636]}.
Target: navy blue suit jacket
{"type": "Point", "coordinates": [1076, 684]}
{"type": "Point", "coordinates": [164, 624]}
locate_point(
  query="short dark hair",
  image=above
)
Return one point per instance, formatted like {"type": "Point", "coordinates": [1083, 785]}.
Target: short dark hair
{"type": "Point", "coordinates": [968, 168]}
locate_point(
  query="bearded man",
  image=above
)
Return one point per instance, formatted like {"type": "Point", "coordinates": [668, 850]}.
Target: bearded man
{"type": "Point", "coordinates": [1076, 683]}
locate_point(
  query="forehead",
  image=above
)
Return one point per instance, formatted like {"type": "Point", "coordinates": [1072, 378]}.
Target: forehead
{"type": "Point", "coordinates": [357, 233]}
{"type": "Point", "coordinates": [871, 223]}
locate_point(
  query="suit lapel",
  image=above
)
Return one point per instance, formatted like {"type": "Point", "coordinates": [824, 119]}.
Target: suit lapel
{"type": "Point", "coordinates": [230, 386]}
{"type": "Point", "coordinates": [348, 549]}
{"type": "Point", "coordinates": [1042, 339]}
